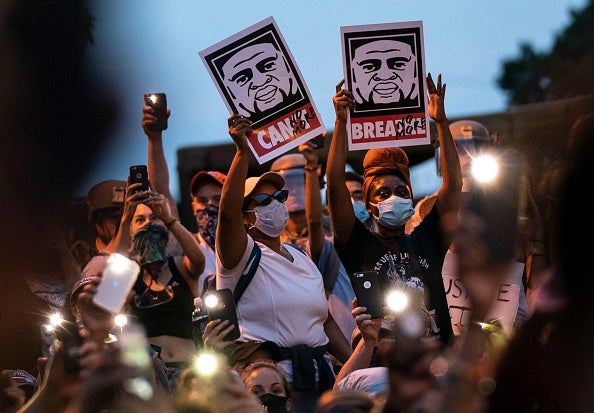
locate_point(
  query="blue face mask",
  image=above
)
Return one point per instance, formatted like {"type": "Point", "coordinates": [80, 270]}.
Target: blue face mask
{"type": "Point", "coordinates": [360, 211]}
{"type": "Point", "coordinates": [394, 211]}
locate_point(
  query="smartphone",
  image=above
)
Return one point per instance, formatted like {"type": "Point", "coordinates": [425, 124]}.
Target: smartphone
{"type": "Point", "coordinates": [500, 202]}
{"type": "Point", "coordinates": [319, 140]}
{"type": "Point", "coordinates": [158, 101]}
{"type": "Point", "coordinates": [117, 280]}
{"type": "Point", "coordinates": [220, 305]}
{"type": "Point", "coordinates": [368, 292]}
{"type": "Point", "coordinates": [139, 173]}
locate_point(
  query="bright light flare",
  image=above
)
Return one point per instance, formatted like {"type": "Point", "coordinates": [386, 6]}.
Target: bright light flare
{"type": "Point", "coordinates": [397, 301]}
{"type": "Point", "coordinates": [211, 300]}
{"type": "Point", "coordinates": [55, 319]}
{"type": "Point", "coordinates": [207, 364]}
{"type": "Point", "coordinates": [120, 320]}
{"type": "Point", "coordinates": [485, 168]}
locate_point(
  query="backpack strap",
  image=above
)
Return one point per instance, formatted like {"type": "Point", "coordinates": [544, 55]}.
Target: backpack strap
{"type": "Point", "coordinates": [248, 272]}
{"type": "Point", "coordinates": [297, 247]}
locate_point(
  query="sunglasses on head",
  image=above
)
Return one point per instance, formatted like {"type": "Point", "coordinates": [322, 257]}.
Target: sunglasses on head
{"type": "Point", "coordinates": [264, 199]}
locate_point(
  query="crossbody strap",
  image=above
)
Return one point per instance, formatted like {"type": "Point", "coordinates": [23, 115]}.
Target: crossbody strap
{"type": "Point", "coordinates": [248, 272]}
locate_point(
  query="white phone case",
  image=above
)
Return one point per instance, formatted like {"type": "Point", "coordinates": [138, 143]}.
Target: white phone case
{"type": "Point", "coordinates": [118, 278]}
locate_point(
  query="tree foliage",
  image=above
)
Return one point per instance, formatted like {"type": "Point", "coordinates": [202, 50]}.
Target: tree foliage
{"type": "Point", "coordinates": [566, 71]}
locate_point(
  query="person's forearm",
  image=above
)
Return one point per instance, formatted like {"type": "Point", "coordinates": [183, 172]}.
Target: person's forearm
{"type": "Point", "coordinates": [359, 359]}
{"type": "Point", "coordinates": [450, 162]}
{"type": "Point", "coordinates": [230, 242]}
{"type": "Point", "coordinates": [313, 212]}
{"type": "Point", "coordinates": [189, 245]}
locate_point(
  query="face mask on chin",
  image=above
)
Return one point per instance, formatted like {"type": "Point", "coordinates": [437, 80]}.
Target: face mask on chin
{"type": "Point", "coordinates": [394, 211]}
{"type": "Point", "coordinates": [272, 218]}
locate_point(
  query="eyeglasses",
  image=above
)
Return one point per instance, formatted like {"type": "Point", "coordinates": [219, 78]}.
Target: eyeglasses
{"type": "Point", "coordinates": [265, 199]}
{"type": "Point", "coordinates": [153, 298]}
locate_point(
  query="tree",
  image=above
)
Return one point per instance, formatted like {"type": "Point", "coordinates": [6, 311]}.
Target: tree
{"type": "Point", "coordinates": [566, 71]}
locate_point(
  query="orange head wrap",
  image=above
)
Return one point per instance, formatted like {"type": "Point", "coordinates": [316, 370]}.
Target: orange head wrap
{"type": "Point", "coordinates": [384, 161]}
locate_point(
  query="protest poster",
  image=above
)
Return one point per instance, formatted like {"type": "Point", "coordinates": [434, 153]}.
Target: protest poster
{"type": "Point", "coordinates": [258, 78]}
{"type": "Point", "coordinates": [384, 68]}
{"type": "Point", "coordinates": [506, 303]}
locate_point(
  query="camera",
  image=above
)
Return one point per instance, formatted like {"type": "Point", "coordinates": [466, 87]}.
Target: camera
{"type": "Point", "coordinates": [158, 101]}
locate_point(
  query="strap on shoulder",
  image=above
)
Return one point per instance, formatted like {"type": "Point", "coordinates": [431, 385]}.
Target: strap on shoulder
{"type": "Point", "coordinates": [248, 272]}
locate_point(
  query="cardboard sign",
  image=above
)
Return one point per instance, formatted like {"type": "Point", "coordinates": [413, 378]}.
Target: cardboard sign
{"type": "Point", "coordinates": [384, 67]}
{"type": "Point", "coordinates": [258, 78]}
{"type": "Point", "coordinates": [506, 304]}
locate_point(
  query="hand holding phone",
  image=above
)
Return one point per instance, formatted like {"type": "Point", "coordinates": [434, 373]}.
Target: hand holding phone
{"type": "Point", "coordinates": [369, 293]}
{"type": "Point", "coordinates": [158, 101]}
{"type": "Point", "coordinates": [220, 305]}
{"type": "Point", "coordinates": [319, 140]}
{"type": "Point", "coordinates": [139, 174]}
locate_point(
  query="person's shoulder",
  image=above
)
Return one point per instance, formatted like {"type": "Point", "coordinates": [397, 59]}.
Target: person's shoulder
{"type": "Point", "coordinates": [95, 266]}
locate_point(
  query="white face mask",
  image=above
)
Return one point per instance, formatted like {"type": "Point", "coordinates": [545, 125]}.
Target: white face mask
{"type": "Point", "coordinates": [394, 211]}
{"type": "Point", "coordinates": [272, 218]}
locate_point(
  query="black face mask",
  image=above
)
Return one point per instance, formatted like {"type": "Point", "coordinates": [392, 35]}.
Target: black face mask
{"type": "Point", "coordinates": [274, 403]}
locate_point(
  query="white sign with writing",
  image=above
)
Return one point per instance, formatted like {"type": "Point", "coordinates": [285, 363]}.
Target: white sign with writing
{"type": "Point", "coordinates": [505, 306]}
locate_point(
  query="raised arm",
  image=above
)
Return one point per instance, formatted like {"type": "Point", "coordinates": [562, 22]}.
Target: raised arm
{"type": "Point", "coordinates": [448, 195]}
{"type": "Point", "coordinates": [313, 200]}
{"type": "Point", "coordinates": [339, 201]}
{"type": "Point", "coordinates": [231, 238]}
{"type": "Point", "coordinates": [157, 163]}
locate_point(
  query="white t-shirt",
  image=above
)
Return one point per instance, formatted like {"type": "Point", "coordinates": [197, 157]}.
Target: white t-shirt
{"type": "Point", "coordinates": [210, 262]}
{"type": "Point", "coordinates": [285, 301]}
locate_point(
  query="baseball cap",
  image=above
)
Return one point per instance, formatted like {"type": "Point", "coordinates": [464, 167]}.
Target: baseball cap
{"type": "Point", "coordinates": [105, 194]}
{"type": "Point", "coordinates": [273, 177]}
{"type": "Point", "coordinates": [201, 176]}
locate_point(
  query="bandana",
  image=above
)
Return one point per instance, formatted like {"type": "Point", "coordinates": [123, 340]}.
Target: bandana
{"type": "Point", "coordinates": [149, 244]}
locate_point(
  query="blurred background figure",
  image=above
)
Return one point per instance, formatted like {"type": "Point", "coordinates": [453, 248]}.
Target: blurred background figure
{"type": "Point", "coordinates": [57, 116]}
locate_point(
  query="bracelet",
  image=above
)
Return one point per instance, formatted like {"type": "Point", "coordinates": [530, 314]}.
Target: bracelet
{"type": "Point", "coordinates": [311, 168]}
{"type": "Point", "coordinates": [170, 223]}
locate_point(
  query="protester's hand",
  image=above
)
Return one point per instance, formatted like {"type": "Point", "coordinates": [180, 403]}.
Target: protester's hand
{"type": "Point", "coordinates": [343, 102]}
{"type": "Point", "coordinates": [436, 106]}
{"type": "Point", "coordinates": [159, 204]}
{"type": "Point", "coordinates": [369, 327]}
{"type": "Point", "coordinates": [310, 152]}
{"type": "Point", "coordinates": [149, 119]}
{"type": "Point", "coordinates": [215, 332]}
{"type": "Point", "coordinates": [96, 322]}
{"type": "Point", "coordinates": [239, 129]}
{"type": "Point", "coordinates": [106, 380]}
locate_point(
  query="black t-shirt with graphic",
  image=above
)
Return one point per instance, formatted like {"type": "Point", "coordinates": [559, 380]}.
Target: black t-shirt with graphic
{"type": "Point", "coordinates": [415, 264]}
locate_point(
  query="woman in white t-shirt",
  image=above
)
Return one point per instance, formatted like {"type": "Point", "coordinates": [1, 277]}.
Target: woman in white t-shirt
{"type": "Point", "coordinates": [284, 302]}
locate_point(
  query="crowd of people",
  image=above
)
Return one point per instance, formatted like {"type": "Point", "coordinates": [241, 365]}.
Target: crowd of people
{"type": "Point", "coordinates": [305, 344]}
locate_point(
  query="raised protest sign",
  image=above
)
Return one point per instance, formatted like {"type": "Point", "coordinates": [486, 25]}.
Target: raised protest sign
{"type": "Point", "coordinates": [258, 78]}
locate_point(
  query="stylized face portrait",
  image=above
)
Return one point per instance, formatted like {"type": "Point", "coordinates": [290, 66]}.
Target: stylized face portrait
{"type": "Point", "coordinates": [384, 72]}
{"type": "Point", "coordinates": [258, 78]}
